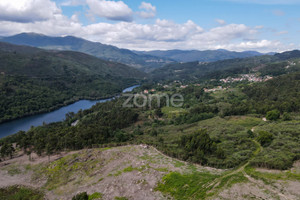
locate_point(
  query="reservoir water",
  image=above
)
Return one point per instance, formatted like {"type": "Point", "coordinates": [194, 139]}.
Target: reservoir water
{"type": "Point", "coordinates": [24, 124]}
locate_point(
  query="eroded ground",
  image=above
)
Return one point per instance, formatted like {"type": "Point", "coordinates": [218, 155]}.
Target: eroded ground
{"type": "Point", "coordinates": [135, 172]}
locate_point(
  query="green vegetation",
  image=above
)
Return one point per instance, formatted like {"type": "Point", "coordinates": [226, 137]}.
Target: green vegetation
{"type": "Point", "coordinates": [81, 196]}
{"type": "Point", "coordinates": [34, 81]}
{"type": "Point", "coordinates": [186, 186]}
{"type": "Point", "coordinates": [106, 52]}
{"type": "Point", "coordinates": [121, 198]}
{"type": "Point", "coordinates": [221, 125]}
{"type": "Point", "coordinates": [284, 148]}
{"type": "Point", "coordinates": [20, 193]}
{"type": "Point", "coordinates": [273, 115]}
{"type": "Point", "coordinates": [96, 195]}
{"type": "Point", "coordinates": [85, 196]}
{"type": "Point", "coordinates": [265, 138]}
{"type": "Point", "coordinates": [7, 150]}
{"type": "Point", "coordinates": [267, 176]}
{"type": "Point", "coordinates": [194, 71]}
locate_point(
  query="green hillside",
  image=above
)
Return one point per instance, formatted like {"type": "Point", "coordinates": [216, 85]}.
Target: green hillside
{"type": "Point", "coordinates": [201, 56]}
{"type": "Point", "coordinates": [106, 52]}
{"type": "Point", "coordinates": [193, 71]}
{"type": "Point", "coordinates": [34, 80]}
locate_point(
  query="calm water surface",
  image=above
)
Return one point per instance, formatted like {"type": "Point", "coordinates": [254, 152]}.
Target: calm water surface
{"type": "Point", "coordinates": [25, 123]}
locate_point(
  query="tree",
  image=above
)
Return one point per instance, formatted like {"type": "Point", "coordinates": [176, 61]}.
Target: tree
{"type": "Point", "coordinates": [265, 138]}
{"type": "Point", "coordinates": [286, 117]}
{"type": "Point", "coordinates": [158, 112]}
{"type": "Point", "coordinates": [7, 150]}
{"type": "Point", "coordinates": [197, 145]}
{"type": "Point", "coordinates": [250, 133]}
{"type": "Point", "coordinates": [273, 115]}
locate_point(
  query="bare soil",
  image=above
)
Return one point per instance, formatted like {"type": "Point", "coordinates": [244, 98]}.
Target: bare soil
{"type": "Point", "coordinates": [129, 171]}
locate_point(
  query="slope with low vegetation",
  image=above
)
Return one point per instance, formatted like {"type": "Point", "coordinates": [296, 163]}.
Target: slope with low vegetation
{"type": "Point", "coordinates": [137, 172]}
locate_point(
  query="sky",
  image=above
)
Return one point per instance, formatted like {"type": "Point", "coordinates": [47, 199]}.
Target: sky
{"type": "Point", "coordinates": [237, 25]}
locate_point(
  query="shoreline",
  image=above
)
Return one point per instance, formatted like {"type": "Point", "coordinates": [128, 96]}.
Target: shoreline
{"type": "Point", "coordinates": [57, 107]}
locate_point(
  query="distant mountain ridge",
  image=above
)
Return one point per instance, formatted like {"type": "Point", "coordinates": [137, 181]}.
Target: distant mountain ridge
{"type": "Point", "coordinates": [201, 56]}
{"type": "Point", "coordinates": [220, 69]}
{"type": "Point", "coordinates": [106, 52]}
{"type": "Point", "coordinates": [144, 60]}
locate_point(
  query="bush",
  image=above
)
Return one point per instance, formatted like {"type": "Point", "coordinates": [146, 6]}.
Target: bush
{"type": "Point", "coordinates": [20, 193]}
{"type": "Point", "coordinates": [81, 196]}
{"type": "Point", "coordinates": [286, 117]}
{"type": "Point", "coordinates": [265, 138]}
{"type": "Point", "coordinates": [273, 115]}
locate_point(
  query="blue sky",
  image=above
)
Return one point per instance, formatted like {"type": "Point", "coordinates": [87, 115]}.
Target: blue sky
{"type": "Point", "coordinates": [266, 25]}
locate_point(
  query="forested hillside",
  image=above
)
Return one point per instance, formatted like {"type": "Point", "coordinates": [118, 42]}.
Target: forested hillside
{"type": "Point", "coordinates": [106, 52]}
{"type": "Point", "coordinates": [195, 71]}
{"type": "Point", "coordinates": [201, 56]}
{"type": "Point", "coordinates": [34, 80]}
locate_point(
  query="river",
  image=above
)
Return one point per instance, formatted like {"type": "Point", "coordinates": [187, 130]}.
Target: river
{"type": "Point", "coordinates": [24, 124]}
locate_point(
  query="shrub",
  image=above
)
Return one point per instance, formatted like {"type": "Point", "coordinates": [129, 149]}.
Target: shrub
{"type": "Point", "coordinates": [286, 117]}
{"type": "Point", "coordinates": [81, 196]}
{"type": "Point", "coordinates": [265, 138]}
{"type": "Point", "coordinates": [273, 115]}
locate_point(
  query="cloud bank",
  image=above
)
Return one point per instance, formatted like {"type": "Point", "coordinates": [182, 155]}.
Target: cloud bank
{"type": "Point", "coordinates": [44, 16]}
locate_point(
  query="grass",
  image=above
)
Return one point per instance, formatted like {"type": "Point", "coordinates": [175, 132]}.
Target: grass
{"type": "Point", "coordinates": [172, 112]}
{"type": "Point", "coordinates": [68, 169]}
{"type": "Point", "coordinates": [20, 193]}
{"type": "Point", "coordinates": [186, 186]}
{"type": "Point", "coordinates": [268, 176]}
{"type": "Point", "coordinates": [179, 164]}
{"type": "Point", "coordinates": [197, 185]}
{"type": "Point", "coordinates": [13, 169]}
{"type": "Point", "coordinates": [121, 198]}
{"type": "Point", "coordinates": [130, 169]}
{"type": "Point", "coordinates": [96, 195]}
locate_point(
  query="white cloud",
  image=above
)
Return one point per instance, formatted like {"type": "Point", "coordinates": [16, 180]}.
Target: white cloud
{"type": "Point", "coordinates": [149, 11]}
{"type": "Point", "coordinates": [221, 21]}
{"type": "Point", "coordinates": [112, 10]}
{"type": "Point", "coordinates": [162, 34]}
{"type": "Point", "coordinates": [27, 10]}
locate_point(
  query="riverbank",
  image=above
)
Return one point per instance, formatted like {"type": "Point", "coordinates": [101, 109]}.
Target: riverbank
{"type": "Point", "coordinates": [55, 114]}
{"type": "Point", "coordinates": [58, 106]}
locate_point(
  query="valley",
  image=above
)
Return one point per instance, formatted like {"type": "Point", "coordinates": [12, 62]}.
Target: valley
{"type": "Point", "coordinates": [236, 135]}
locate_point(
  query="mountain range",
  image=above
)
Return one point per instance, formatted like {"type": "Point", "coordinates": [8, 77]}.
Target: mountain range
{"type": "Point", "coordinates": [201, 56]}
{"type": "Point", "coordinates": [144, 60]}
{"type": "Point", "coordinates": [106, 52]}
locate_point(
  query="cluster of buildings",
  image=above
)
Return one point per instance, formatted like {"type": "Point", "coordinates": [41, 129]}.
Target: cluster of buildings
{"type": "Point", "coordinates": [246, 77]}
{"type": "Point", "coordinates": [148, 91]}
